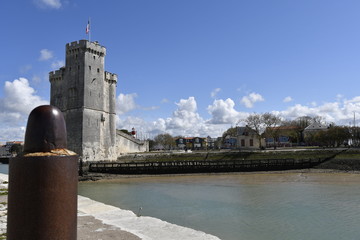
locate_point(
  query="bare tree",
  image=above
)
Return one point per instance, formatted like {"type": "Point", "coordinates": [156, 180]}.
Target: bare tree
{"type": "Point", "coordinates": [272, 124]}
{"type": "Point", "coordinates": [165, 140]}
{"type": "Point", "coordinates": [256, 123]}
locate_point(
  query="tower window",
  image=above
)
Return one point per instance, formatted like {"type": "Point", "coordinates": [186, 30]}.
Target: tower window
{"type": "Point", "coordinates": [94, 57]}
{"type": "Point", "coordinates": [90, 68]}
{"type": "Point", "coordinates": [98, 70]}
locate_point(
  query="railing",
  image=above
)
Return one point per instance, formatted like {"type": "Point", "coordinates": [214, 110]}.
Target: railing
{"type": "Point", "coordinates": [163, 167]}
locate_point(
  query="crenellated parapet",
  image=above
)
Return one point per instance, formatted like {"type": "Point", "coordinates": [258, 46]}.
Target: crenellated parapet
{"type": "Point", "coordinates": [57, 75]}
{"type": "Point", "coordinates": [110, 77]}
{"type": "Point", "coordinates": [95, 48]}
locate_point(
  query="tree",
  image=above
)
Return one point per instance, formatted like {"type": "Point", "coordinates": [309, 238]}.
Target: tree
{"type": "Point", "coordinates": [125, 131]}
{"type": "Point", "coordinates": [296, 133]}
{"type": "Point", "coordinates": [256, 123]}
{"type": "Point", "coordinates": [355, 136]}
{"type": "Point", "coordinates": [16, 149]}
{"type": "Point", "coordinates": [164, 140]}
{"type": "Point", "coordinates": [334, 136]}
{"type": "Point", "coordinates": [230, 132]}
{"type": "Point", "coordinates": [293, 131]}
{"type": "Point", "coordinates": [151, 144]}
{"type": "Point", "coordinates": [272, 123]}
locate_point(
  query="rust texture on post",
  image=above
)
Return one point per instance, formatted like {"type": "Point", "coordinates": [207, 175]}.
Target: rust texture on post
{"type": "Point", "coordinates": [42, 201]}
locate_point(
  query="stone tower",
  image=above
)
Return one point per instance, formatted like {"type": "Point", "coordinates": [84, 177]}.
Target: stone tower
{"type": "Point", "coordinates": [85, 93]}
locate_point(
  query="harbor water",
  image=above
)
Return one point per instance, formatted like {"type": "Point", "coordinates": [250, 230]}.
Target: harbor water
{"type": "Point", "coordinates": [252, 206]}
{"type": "Point", "coordinates": [243, 206]}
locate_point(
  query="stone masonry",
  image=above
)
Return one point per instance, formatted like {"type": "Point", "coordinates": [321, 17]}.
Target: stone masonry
{"type": "Point", "coordinates": [86, 94]}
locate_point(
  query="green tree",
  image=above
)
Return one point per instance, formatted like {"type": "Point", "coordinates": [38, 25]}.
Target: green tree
{"type": "Point", "coordinates": [230, 132]}
{"type": "Point", "coordinates": [296, 133]}
{"type": "Point", "coordinates": [337, 135]}
{"type": "Point", "coordinates": [16, 149]}
{"type": "Point", "coordinates": [125, 131]}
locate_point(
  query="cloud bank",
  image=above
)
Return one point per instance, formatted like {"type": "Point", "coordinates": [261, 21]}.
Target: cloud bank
{"type": "Point", "coordinates": [20, 98]}
{"type": "Point", "coordinates": [18, 101]}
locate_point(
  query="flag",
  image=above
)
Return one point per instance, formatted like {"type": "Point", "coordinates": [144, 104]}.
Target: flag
{"type": "Point", "coordinates": [88, 27]}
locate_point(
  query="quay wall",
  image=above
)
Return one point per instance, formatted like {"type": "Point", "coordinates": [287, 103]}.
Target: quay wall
{"type": "Point", "coordinates": [129, 144]}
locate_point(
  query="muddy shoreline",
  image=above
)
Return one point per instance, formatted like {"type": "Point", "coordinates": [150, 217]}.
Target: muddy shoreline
{"type": "Point", "coordinates": [338, 161]}
{"type": "Point", "coordinates": [102, 177]}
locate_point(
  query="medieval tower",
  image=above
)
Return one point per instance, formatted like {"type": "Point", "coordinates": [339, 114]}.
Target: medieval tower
{"type": "Point", "coordinates": [86, 94]}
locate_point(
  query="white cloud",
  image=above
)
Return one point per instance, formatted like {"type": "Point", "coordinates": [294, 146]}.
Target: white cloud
{"type": "Point", "coordinates": [20, 97]}
{"type": "Point", "coordinates": [18, 101]}
{"type": "Point", "coordinates": [125, 103]}
{"type": "Point", "coordinates": [355, 100]}
{"type": "Point", "coordinates": [340, 112]}
{"type": "Point", "coordinates": [224, 112]}
{"type": "Point", "coordinates": [251, 99]}
{"type": "Point", "coordinates": [45, 54]}
{"type": "Point", "coordinates": [287, 99]}
{"type": "Point", "coordinates": [186, 121]}
{"type": "Point", "coordinates": [185, 116]}
{"type": "Point", "coordinates": [12, 133]}
{"type": "Point", "coordinates": [56, 4]}
{"type": "Point", "coordinates": [57, 64]}
{"type": "Point", "coordinates": [215, 92]}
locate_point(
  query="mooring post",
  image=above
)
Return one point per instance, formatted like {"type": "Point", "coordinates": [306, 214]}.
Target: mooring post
{"type": "Point", "coordinates": [42, 200]}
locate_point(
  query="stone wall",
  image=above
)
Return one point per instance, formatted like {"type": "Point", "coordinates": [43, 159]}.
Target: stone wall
{"type": "Point", "coordinates": [129, 144]}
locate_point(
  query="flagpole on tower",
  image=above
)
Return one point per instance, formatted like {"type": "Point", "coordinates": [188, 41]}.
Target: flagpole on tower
{"type": "Point", "coordinates": [88, 29]}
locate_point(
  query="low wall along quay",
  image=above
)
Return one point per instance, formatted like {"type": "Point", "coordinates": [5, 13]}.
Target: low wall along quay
{"type": "Point", "coordinates": [167, 167]}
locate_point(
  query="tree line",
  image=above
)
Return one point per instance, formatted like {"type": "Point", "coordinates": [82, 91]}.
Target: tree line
{"type": "Point", "coordinates": [269, 125]}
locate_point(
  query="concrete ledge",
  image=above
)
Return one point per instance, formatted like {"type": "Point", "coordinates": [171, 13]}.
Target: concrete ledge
{"type": "Point", "coordinates": [144, 227]}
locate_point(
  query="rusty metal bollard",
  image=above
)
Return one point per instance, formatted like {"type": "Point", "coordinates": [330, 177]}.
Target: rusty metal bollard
{"type": "Point", "coordinates": [42, 200]}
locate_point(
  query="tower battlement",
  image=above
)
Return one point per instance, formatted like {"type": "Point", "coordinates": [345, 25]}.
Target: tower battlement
{"type": "Point", "coordinates": [56, 75]}
{"type": "Point", "coordinates": [110, 77]}
{"type": "Point", "coordinates": [85, 45]}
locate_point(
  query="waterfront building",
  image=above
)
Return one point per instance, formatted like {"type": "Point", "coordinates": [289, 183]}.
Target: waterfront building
{"type": "Point", "coordinates": [193, 143]}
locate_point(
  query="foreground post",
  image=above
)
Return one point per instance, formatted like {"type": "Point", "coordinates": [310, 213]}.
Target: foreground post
{"type": "Point", "coordinates": [42, 200]}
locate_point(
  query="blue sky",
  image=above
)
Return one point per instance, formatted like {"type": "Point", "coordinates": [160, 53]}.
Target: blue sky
{"type": "Point", "coordinates": [189, 67]}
